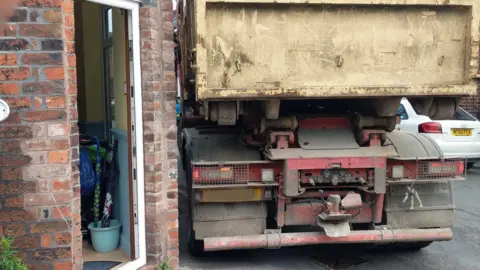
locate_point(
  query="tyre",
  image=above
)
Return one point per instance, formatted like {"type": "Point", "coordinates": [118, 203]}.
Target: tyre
{"type": "Point", "coordinates": [195, 247]}
{"type": "Point", "coordinates": [470, 165]}
{"type": "Point", "coordinates": [412, 246]}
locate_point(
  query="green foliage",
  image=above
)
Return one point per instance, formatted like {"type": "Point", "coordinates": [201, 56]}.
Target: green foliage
{"type": "Point", "coordinates": [8, 260]}
{"type": "Point", "coordinates": [163, 266]}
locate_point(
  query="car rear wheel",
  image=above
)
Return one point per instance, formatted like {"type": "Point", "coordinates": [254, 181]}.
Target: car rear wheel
{"type": "Point", "coordinates": [470, 165]}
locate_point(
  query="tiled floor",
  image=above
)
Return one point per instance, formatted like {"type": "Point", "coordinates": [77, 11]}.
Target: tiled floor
{"type": "Point", "coordinates": [89, 255]}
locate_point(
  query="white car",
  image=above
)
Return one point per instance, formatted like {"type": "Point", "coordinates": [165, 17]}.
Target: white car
{"type": "Point", "coordinates": [459, 137]}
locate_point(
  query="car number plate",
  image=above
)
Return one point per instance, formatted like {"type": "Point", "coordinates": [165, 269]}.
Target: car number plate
{"type": "Point", "coordinates": [461, 132]}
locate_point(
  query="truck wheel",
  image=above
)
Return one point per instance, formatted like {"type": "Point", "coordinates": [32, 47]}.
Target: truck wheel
{"type": "Point", "coordinates": [195, 247]}
{"type": "Point", "coordinates": [413, 246]}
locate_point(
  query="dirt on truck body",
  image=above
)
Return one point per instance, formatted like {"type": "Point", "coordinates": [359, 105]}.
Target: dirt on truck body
{"type": "Point", "coordinates": [288, 111]}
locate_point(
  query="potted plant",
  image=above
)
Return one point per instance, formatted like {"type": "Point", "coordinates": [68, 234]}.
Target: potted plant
{"type": "Point", "coordinates": [105, 233]}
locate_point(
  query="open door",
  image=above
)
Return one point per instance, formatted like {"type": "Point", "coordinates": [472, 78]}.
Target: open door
{"type": "Point", "coordinates": [133, 184]}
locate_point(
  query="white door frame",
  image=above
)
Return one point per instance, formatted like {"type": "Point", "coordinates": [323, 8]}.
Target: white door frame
{"type": "Point", "coordinates": [133, 8]}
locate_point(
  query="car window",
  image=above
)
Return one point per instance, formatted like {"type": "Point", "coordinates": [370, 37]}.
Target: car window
{"type": "Point", "coordinates": [463, 115]}
{"type": "Point", "coordinates": [402, 112]}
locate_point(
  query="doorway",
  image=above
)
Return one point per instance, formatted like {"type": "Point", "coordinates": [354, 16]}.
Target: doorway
{"type": "Point", "coordinates": [107, 42]}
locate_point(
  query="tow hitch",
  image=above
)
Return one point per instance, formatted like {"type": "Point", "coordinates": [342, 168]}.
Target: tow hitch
{"type": "Point", "coordinates": [335, 221]}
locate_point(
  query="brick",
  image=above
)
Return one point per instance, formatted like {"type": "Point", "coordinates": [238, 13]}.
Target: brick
{"type": "Point", "coordinates": [41, 30]}
{"type": "Point", "coordinates": [42, 3]}
{"type": "Point", "coordinates": [60, 185]}
{"type": "Point", "coordinates": [16, 215]}
{"type": "Point", "coordinates": [14, 202]}
{"type": "Point", "coordinates": [33, 172]}
{"type": "Point", "coordinates": [16, 229]}
{"type": "Point", "coordinates": [10, 146]}
{"type": "Point", "coordinates": [14, 74]}
{"type": "Point", "coordinates": [39, 266]}
{"type": "Point", "coordinates": [11, 174]}
{"type": "Point", "coordinates": [51, 254]}
{"type": "Point", "coordinates": [19, 187]}
{"type": "Point", "coordinates": [19, 102]}
{"type": "Point", "coordinates": [62, 266]}
{"type": "Point", "coordinates": [14, 160]}
{"type": "Point", "coordinates": [45, 240]}
{"type": "Point", "coordinates": [34, 15]}
{"type": "Point", "coordinates": [37, 102]}
{"type": "Point", "coordinates": [42, 59]}
{"type": "Point", "coordinates": [8, 59]}
{"type": "Point", "coordinates": [60, 156]}
{"type": "Point", "coordinates": [41, 199]}
{"type": "Point", "coordinates": [61, 212]}
{"type": "Point", "coordinates": [58, 130]}
{"type": "Point", "coordinates": [9, 89]}
{"type": "Point", "coordinates": [52, 45]}
{"type": "Point", "coordinates": [39, 88]}
{"type": "Point", "coordinates": [49, 226]}
{"type": "Point", "coordinates": [24, 242]}
{"type": "Point", "coordinates": [63, 238]}
{"type": "Point", "coordinates": [14, 44]}
{"type": "Point", "coordinates": [54, 73]}
{"type": "Point", "coordinates": [43, 185]}
{"type": "Point", "coordinates": [13, 118]}
{"type": "Point", "coordinates": [39, 116]}
{"type": "Point", "coordinates": [20, 15]}
{"type": "Point", "coordinates": [46, 144]}
{"type": "Point", "coordinates": [8, 30]}
{"type": "Point", "coordinates": [55, 102]}
{"type": "Point", "coordinates": [53, 16]}
{"type": "Point", "coordinates": [37, 158]}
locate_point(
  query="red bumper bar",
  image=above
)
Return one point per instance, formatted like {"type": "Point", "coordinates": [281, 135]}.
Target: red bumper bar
{"type": "Point", "coordinates": [300, 239]}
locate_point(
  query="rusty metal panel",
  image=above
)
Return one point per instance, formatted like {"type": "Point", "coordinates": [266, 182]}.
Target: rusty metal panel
{"type": "Point", "coordinates": [298, 153]}
{"type": "Point", "coordinates": [229, 219]}
{"type": "Point", "coordinates": [430, 196]}
{"type": "Point", "coordinates": [303, 213]}
{"type": "Point", "coordinates": [266, 48]}
{"type": "Point", "coordinates": [231, 195]}
{"type": "Point", "coordinates": [442, 218]}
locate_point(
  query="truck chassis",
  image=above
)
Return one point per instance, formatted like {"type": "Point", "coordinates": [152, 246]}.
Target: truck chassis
{"type": "Point", "coordinates": [338, 188]}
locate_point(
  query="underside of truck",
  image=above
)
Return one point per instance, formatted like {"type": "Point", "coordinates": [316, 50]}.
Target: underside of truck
{"type": "Point", "coordinates": [290, 141]}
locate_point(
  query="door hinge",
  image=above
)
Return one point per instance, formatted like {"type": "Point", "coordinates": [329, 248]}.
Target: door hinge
{"type": "Point", "coordinates": [132, 91]}
{"type": "Point", "coordinates": [134, 151]}
{"type": "Point", "coordinates": [134, 174]}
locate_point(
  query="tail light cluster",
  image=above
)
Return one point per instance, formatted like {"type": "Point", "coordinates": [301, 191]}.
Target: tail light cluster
{"type": "Point", "coordinates": [214, 174]}
{"type": "Point", "coordinates": [446, 168]}
{"type": "Point", "coordinates": [430, 127]}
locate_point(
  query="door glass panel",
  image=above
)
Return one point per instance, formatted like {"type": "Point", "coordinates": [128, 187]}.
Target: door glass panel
{"type": "Point", "coordinates": [108, 23]}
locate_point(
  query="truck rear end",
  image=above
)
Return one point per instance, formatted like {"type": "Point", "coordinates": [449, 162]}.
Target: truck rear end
{"type": "Point", "coordinates": [288, 112]}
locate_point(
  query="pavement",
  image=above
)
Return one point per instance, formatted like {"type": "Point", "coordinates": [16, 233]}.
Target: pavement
{"type": "Point", "coordinates": [461, 253]}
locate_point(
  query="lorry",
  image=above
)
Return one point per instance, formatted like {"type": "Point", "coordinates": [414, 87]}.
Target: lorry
{"type": "Point", "coordinates": [288, 111]}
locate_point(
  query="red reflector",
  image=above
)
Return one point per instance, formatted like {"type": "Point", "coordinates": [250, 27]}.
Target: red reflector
{"type": "Point", "coordinates": [445, 168]}
{"type": "Point", "coordinates": [219, 173]}
{"type": "Point", "coordinates": [196, 174]}
{"type": "Point", "coordinates": [430, 127]}
{"type": "Point", "coordinates": [460, 167]}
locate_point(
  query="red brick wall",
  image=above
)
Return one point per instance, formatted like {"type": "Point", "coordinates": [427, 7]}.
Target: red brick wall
{"type": "Point", "coordinates": [159, 91]}
{"type": "Point", "coordinates": [39, 186]}
{"type": "Point", "coordinates": [39, 141]}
